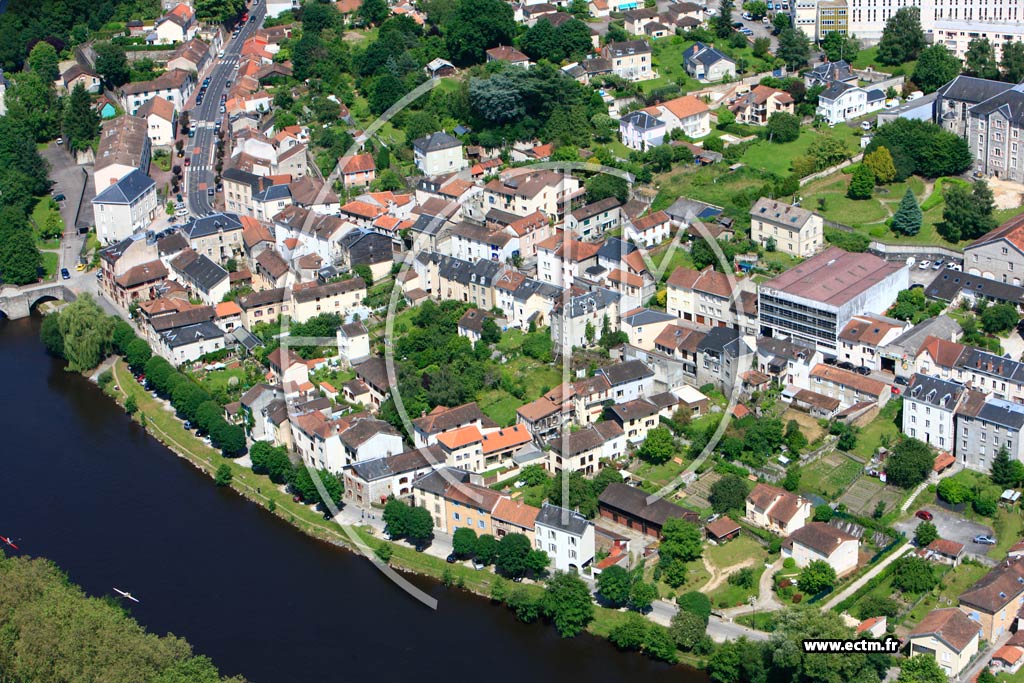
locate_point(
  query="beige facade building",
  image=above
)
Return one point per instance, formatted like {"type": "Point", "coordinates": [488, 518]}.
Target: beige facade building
{"type": "Point", "coordinates": [793, 229]}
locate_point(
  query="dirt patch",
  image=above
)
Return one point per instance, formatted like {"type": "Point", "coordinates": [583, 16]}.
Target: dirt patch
{"type": "Point", "coordinates": [720, 576]}
{"type": "Point", "coordinates": [1007, 195]}
{"type": "Point", "coordinates": [808, 425]}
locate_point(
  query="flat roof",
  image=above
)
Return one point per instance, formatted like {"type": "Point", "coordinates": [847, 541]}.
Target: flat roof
{"type": "Point", "coordinates": [834, 276]}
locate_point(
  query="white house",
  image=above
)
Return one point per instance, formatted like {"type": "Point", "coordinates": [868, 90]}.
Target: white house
{"type": "Point", "coordinates": [161, 119]}
{"type": "Point", "coordinates": [175, 86]}
{"type": "Point", "coordinates": [820, 541]}
{"type": "Point", "coordinates": [190, 342]}
{"type": "Point", "coordinates": [353, 342]}
{"type": "Point", "coordinates": [707, 64]}
{"type": "Point", "coordinates": [128, 205]}
{"type": "Point", "coordinates": [642, 130]}
{"type": "Point", "coordinates": [566, 536]}
{"type": "Point", "coordinates": [648, 230]}
{"type": "Point", "coordinates": [777, 510]}
{"type": "Point", "coordinates": [629, 380]}
{"type": "Point", "coordinates": [844, 101]}
{"type": "Point", "coordinates": [438, 153]}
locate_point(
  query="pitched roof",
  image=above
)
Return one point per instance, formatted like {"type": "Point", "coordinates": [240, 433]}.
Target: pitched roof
{"type": "Point", "coordinates": [142, 273]}
{"type": "Point", "coordinates": [359, 163]}
{"type": "Point", "coordinates": [558, 517]}
{"type": "Point", "coordinates": [506, 54]}
{"type": "Point", "coordinates": [400, 463]}
{"type": "Point", "coordinates": [780, 212]}
{"type": "Point", "coordinates": [821, 537]}
{"type": "Point", "coordinates": [636, 502]}
{"type": "Point", "coordinates": [685, 106]}
{"type": "Point", "coordinates": [834, 276]}
{"type": "Point", "coordinates": [126, 190]}
{"type": "Point", "coordinates": [516, 512]}
{"type": "Point", "coordinates": [305, 293]}
{"type": "Point", "coordinates": [996, 589]}
{"type": "Point", "coordinates": [435, 142]}
{"type": "Point", "coordinates": [850, 379]}
{"type": "Point", "coordinates": [158, 106]}
{"type": "Point", "coordinates": [1011, 230]}
{"type": "Point", "coordinates": [950, 625]}
{"type": "Point", "coordinates": [442, 419]}
{"type": "Point", "coordinates": [869, 329]}
{"type": "Point", "coordinates": [945, 353]}
{"type": "Point", "coordinates": [458, 438]}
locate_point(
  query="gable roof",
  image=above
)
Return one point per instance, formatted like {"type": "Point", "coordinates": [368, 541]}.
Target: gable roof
{"type": "Point", "coordinates": [435, 142]}
{"type": "Point", "coordinates": [516, 512]}
{"type": "Point", "coordinates": [126, 190]}
{"type": "Point", "coordinates": [950, 625]}
{"type": "Point", "coordinates": [997, 589]}
{"type": "Point", "coordinates": [636, 502]}
{"type": "Point", "coordinates": [821, 537]}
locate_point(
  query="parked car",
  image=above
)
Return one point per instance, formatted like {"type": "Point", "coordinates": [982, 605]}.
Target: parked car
{"type": "Point", "coordinates": [451, 559]}
{"type": "Point", "coordinates": [902, 381]}
{"type": "Point", "coordinates": [209, 192]}
{"type": "Point", "coordinates": [59, 197]}
{"type": "Point", "coordinates": [60, 141]}
{"type": "Point", "coordinates": [954, 266]}
{"type": "Point", "coordinates": [923, 265]}
{"type": "Point", "coordinates": [847, 365]}
{"type": "Point", "coordinates": [937, 265]}
{"type": "Point", "coordinates": [188, 162]}
{"type": "Point", "coordinates": [924, 514]}
{"type": "Point", "coordinates": [65, 274]}
{"type": "Point", "coordinates": [985, 540]}
{"type": "Point", "coordinates": [863, 370]}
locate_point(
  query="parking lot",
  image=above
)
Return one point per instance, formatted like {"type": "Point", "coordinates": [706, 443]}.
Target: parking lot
{"type": "Point", "coordinates": [951, 527]}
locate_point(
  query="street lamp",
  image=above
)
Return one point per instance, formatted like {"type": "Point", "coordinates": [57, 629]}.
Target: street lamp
{"type": "Point", "coordinates": [752, 601]}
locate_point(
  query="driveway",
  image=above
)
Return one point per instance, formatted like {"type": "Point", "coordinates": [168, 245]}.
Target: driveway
{"type": "Point", "coordinates": [70, 179]}
{"type": "Point", "coordinates": [952, 527]}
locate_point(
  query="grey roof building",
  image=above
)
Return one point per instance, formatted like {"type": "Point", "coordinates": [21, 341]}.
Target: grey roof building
{"type": "Point", "coordinates": [127, 190]}
{"type": "Point", "coordinates": [211, 225]}
{"type": "Point", "coordinates": [435, 142]}
{"type": "Point", "coordinates": [561, 518]}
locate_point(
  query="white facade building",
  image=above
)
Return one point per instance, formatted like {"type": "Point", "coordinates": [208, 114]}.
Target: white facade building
{"type": "Point", "coordinates": [566, 536]}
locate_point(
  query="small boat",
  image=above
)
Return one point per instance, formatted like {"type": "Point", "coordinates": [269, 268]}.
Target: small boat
{"type": "Point", "coordinates": [9, 542]}
{"type": "Point", "coordinates": [125, 594]}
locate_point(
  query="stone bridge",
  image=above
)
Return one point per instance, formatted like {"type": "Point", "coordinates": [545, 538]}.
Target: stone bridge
{"type": "Point", "coordinates": [17, 302]}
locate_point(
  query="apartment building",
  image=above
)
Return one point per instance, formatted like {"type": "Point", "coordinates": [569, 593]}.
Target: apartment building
{"type": "Point", "coordinates": [630, 60]}
{"type": "Point", "coordinates": [984, 425]}
{"type": "Point", "coordinates": [929, 408]}
{"type": "Point", "coordinates": [792, 229]}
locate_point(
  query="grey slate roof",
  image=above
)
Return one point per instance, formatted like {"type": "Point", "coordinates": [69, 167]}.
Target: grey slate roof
{"type": "Point", "coordinates": [972, 90]}
{"type": "Point", "coordinates": [705, 54]}
{"type": "Point", "coordinates": [614, 249]}
{"type": "Point", "coordinates": [641, 119]}
{"type": "Point", "coordinates": [435, 142]}
{"type": "Point", "coordinates": [831, 71]}
{"type": "Point", "coordinates": [629, 371]}
{"type": "Point", "coordinates": [202, 271]}
{"type": "Point", "coordinates": [910, 341]}
{"type": "Point", "coordinates": [647, 316]}
{"type": "Point", "coordinates": [211, 225]}
{"type": "Point", "coordinates": [560, 518]}
{"type": "Point", "coordinates": [991, 364]}
{"type": "Point", "coordinates": [189, 334]}
{"type": "Point", "coordinates": [437, 482]}
{"type": "Point", "coordinates": [835, 89]}
{"type": "Point", "coordinates": [1009, 103]}
{"type": "Point", "coordinates": [935, 391]}
{"type": "Point", "coordinates": [1003, 413]}
{"type": "Point", "coordinates": [367, 248]}
{"type": "Point", "coordinates": [126, 190]}
{"type": "Point", "coordinates": [408, 461]}
{"type": "Point", "coordinates": [720, 339]}
{"type": "Point", "coordinates": [598, 299]}
{"type": "Point", "coordinates": [948, 284]}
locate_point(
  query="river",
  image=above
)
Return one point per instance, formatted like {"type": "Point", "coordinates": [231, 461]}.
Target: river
{"type": "Point", "coordinates": [89, 489]}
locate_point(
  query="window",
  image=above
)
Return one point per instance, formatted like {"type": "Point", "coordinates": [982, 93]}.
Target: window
{"type": "Point", "coordinates": [480, 523]}
{"type": "Point", "coordinates": [456, 516]}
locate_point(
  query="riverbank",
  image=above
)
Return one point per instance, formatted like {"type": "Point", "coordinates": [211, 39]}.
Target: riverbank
{"type": "Point", "coordinates": [159, 420]}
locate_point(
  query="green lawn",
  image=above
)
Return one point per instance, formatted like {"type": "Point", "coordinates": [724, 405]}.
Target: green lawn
{"type": "Point", "coordinates": [660, 474]}
{"type": "Point", "coordinates": [500, 406]}
{"type": "Point", "coordinates": [735, 551]}
{"type": "Point", "coordinates": [776, 158]}
{"type": "Point", "coordinates": [728, 595]}
{"type": "Point", "coordinates": [712, 184]}
{"type": "Point", "coordinates": [40, 214]}
{"type": "Point", "coordinates": [1007, 524]}
{"type": "Point", "coordinates": [51, 260]}
{"type": "Point", "coordinates": [885, 428]}
{"type": "Point", "coordinates": [822, 478]}
{"type": "Point", "coordinates": [953, 583]}
{"type": "Point", "coordinates": [869, 57]}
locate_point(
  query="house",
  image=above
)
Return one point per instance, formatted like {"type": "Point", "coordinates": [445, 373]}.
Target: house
{"type": "Point", "coordinates": [175, 86]}
{"type": "Point", "coordinates": [707, 64]}
{"type": "Point", "coordinates": [124, 146]}
{"type": "Point", "coordinates": [127, 206]}
{"type": "Point", "coordinates": [217, 236]}
{"type": "Point", "coordinates": [814, 300]}
{"type": "Point", "coordinates": [440, 420]}
{"type": "Point", "coordinates": [791, 229]}
{"type": "Point", "coordinates": [583, 319]}
{"type": "Point", "coordinates": [591, 221]}
{"type": "Point", "coordinates": [358, 170]}
{"type": "Point", "coordinates": [525, 191]}
{"type": "Point", "coordinates": [76, 75]}
{"type": "Point", "coordinates": [777, 510]}
{"type": "Point", "coordinates": [438, 153]}
{"type": "Point", "coordinates": [644, 325]}
{"type": "Point", "coordinates": [255, 404]}
{"type": "Point", "coordinates": [561, 259]}
{"type": "Point", "coordinates": [429, 491]}
{"type": "Point", "coordinates": [929, 407]}
{"type": "Point", "coordinates": [829, 72]}
{"type": "Point", "coordinates": [632, 507]}
{"type": "Point", "coordinates": [864, 336]}
{"type": "Point", "coordinates": [176, 26]}
{"type": "Point", "coordinates": [191, 56]}
{"type": "Point", "coordinates": [984, 425]}
{"type": "Point", "coordinates": [472, 242]}
{"type": "Point", "coordinates": [999, 254]}
{"type": "Point", "coordinates": [704, 297]}
{"type": "Point", "coordinates": [944, 551]}
{"type": "Point", "coordinates": [161, 121]}
{"type": "Point", "coordinates": [353, 342]}
{"type": "Point", "coordinates": [849, 387]}
{"type": "Point", "coordinates": [439, 68]}
{"type": "Point", "coordinates": [722, 529]}
{"type": "Point", "coordinates": [841, 102]}
{"type": "Point", "coordinates": [993, 129]}
{"type": "Point", "coordinates": [816, 541]}
{"type": "Point", "coordinates": [200, 276]}
{"type": "Point", "coordinates": [263, 306]}
{"type": "Point", "coordinates": [374, 481]}
{"type": "Point", "coordinates": [628, 380]}
{"type": "Point", "coordinates": [641, 130]}
{"type": "Point", "coordinates": [514, 517]}
{"type": "Point", "coordinates": [949, 636]}
{"type": "Point", "coordinates": [954, 101]}
{"type": "Point", "coordinates": [311, 299]}
{"type": "Point", "coordinates": [504, 53]}
{"type": "Point", "coordinates": [188, 343]}
{"type": "Point", "coordinates": [636, 417]}
{"type": "Point", "coordinates": [648, 231]}
{"type": "Point", "coordinates": [1007, 659]}
{"type": "Point", "coordinates": [566, 536]}
{"type": "Point", "coordinates": [630, 60]}
{"type": "Point", "coordinates": [787, 362]}
{"type": "Point", "coordinates": [720, 354]}
{"type": "Point", "coordinates": [757, 105]}
{"type": "Point", "coordinates": [994, 600]}
{"type": "Point", "coordinates": [580, 451]}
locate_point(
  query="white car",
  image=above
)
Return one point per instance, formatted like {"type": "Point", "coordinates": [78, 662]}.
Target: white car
{"type": "Point", "coordinates": [865, 125]}
{"type": "Point", "coordinates": [924, 265]}
{"type": "Point", "coordinates": [954, 266]}
{"type": "Point", "coordinates": [181, 212]}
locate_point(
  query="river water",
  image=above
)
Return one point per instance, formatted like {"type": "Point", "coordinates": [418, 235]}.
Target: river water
{"type": "Point", "coordinates": [89, 489]}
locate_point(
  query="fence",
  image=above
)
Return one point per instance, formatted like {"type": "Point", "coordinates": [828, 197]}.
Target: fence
{"type": "Point", "coordinates": [893, 252]}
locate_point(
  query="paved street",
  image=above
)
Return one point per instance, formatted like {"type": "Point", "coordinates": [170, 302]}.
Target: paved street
{"type": "Point", "coordinates": [951, 527]}
{"type": "Point", "coordinates": [719, 629]}
{"type": "Point", "coordinates": [200, 174]}
{"type": "Point", "coordinates": [69, 179]}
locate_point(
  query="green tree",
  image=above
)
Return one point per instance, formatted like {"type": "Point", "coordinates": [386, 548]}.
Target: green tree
{"type": "Point", "coordinates": [631, 633]}
{"type": "Point", "coordinates": [837, 46]}
{"type": "Point", "coordinates": [1013, 62]}
{"type": "Point", "coordinates": [986, 676]}
{"type": "Point", "coordinates": [20, 260]}
{"type": "Point", "coordinates": [762, 49]}
{"type": "Point", "coordinates": [862, 183]}
{"type": "Point", "coordinates": [968, 211]}
{"type": "Point", "coordinates": [913, 574]}
{"type": "Point", "coordinates": [681, 543]}
{"type": "Point", "coordinates": [687, 629]}
{"type": "Point", "coordinates": [780, 22]}
{"type": "Point", "coordinates": [721, 22]}
{"type": "Point", "coordinates": [658, 447]}
{"type": "Point", "coordinates": [909, 463]}
{"type": "Point", "coordinates": [476, 25]}
{"type": "Point", "coordinates": [817, 576]}
{"type": "Point", "coordinates": [50, 335]}
{"type": "Point", "coordinates": [794, 48]}
{"type": "Point", "coordinates": [419, 525]}
{"type": "Point", "coordinates": [936, 66]}
{"type": "Point", "coordinates": [902, 38]}
{"type": "Point", "coordinates": [783, 127]}
{"type": "Point", "coordinates": [908, 216]}
{"type": "Point", "coordinates": [486, 549]}
{"type": "Point", "coordinates": [613, 586]}
{"type": "Point", "coordinates": [881, 165]}
{"type": "Point", "coordinates": [955, 490]}
{"type": "Point", "coordinates": [999, 318]}
{"type": "Point", "coordinates": [642, 595]}
{"type": "Point", "coordinates": [395, 516]}
{"type": "Point", "coordinates": [1002, 470]}
{"type": "Point", "coordinates": [112, 64]}
{"type": "Point", "coordinates": [567, 603]}
{"type": "Point", "coordinates": [464, 542]}
{"type": "Point", "coordinates": [980, 59]}
{"type": "Point", "coordinates": [513, 550]}
{"type": "Point", "coordinates": [87, 332]}
{"type": "Point", "coordinates": [921, 669]}
{"type": "Point", "coordinates": [756, 8]}
{"type": "Point", "coordinates": [373, 12]}
{"type": "Point", "coordinates": [925, 533]}
{"type": "Point", "coordinates": [604, 185]}
{"type": "Point", "coordinates": [43, 60]}
{"type": "Point", "coordinates": [223, 476]}
{"type": "Point", "coordinates": [696, 603]}
{"type": "Point", "coordinates": [728, 493]}
{"type": "Point", "coordinates": [138, 354]}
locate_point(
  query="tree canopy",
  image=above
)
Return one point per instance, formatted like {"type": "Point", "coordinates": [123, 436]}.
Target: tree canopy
{"type": "Point", "coordinates": [902, 38]}
{"type": "Point", "coordinates": [909, 464]}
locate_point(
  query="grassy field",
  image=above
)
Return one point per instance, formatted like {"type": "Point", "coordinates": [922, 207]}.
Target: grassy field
{"type": "Point", "coordinates": [1008, 525]}
{"type": "Point", "coordinates": [735, 551]}
{"type": "Point", "coordinates": [869, 57]}
{"type": "Point", "coordinates": [953, 583]}
{"type": "Point", "coordinates": [776, 158]}
{"type": "Point", "coordinates": [728, 595]}
{"type": "Point", "coordinates": [884, 428]}
{"type": "Point", "coordinates": [829, 476]}
{"type": "Point", "coordinates": [40, 214]}
{"type": "Point", "coordinates": [660, 474]}
{"type": "Point", "coordinates": [51, 260]}
{"type": "Point", "coordinates": [712, 184]}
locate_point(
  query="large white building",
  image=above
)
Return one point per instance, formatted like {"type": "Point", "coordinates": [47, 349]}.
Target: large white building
{"type": "Point", "coordinates": [814, 301]}
{"type": "Point", "coordinates": [125, 207]}
{"type": "Point", "coordinates": [929, 405]}
{"type": "Point", "coordinates": [566, 536]}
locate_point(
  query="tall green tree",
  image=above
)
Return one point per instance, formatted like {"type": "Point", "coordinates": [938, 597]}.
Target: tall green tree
{"type": "Point", "coordinates": [862, 183]}
{"type": "Point", "coordinates": [816, 577]}
{"type": "Point", "coordinates": [81, 121]}
{"type": "Point", "coordinates": [658, 447]}
{"type": "Point", "coordinates": [909, 464]}
{"type": "Point", "coordinates": [902, 38]}
{"type": "Point", "coordinates": [881, 164]}
{"type": "Point", "coordinates": [1013, 62]}
{"type": "Point", "coordinates": [613, 586]}
{"type": "Point", "coordinates": [373, 12]}
{"type": "Point", "coordinates": [783, 127]}
{"type": "Point", "coordinates": [937, 66]}
{"type": "Point", "coordinates": [475, 26]}
{"type": "Point", "coordinates": [908, 216]}
{"type": "Point", "coordinates": [1002, 471]}
{"type": "Point", "coordinates": [837, 46]}
{"type": "Point", "coordinates": [980, 59]}
{"type": "Point", "coordinates": [721, 22]}
{"type": "Point", "coordinates": [32, 101]}
{"type": "Point", "coordinates": [922, 669]}
{"type": "Point", "coordinates": [681, 543]}
{"type": "Point", "coordinates": [43, 60]}
{"type": "Point", "coordinates": [87, 333]}
{"type": "Point", "coordinates": [567, 603]}
{"type": "Point", "coordinates": [112, 64]}
{"type": "Point", "coordinates": [967, 214]}
{"type": "Point", "coordinates": [728, 493]}
{"type": "Point", "coordinates": [513, 550]}
{"type": "Point", "coordinates": [794, 48]}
